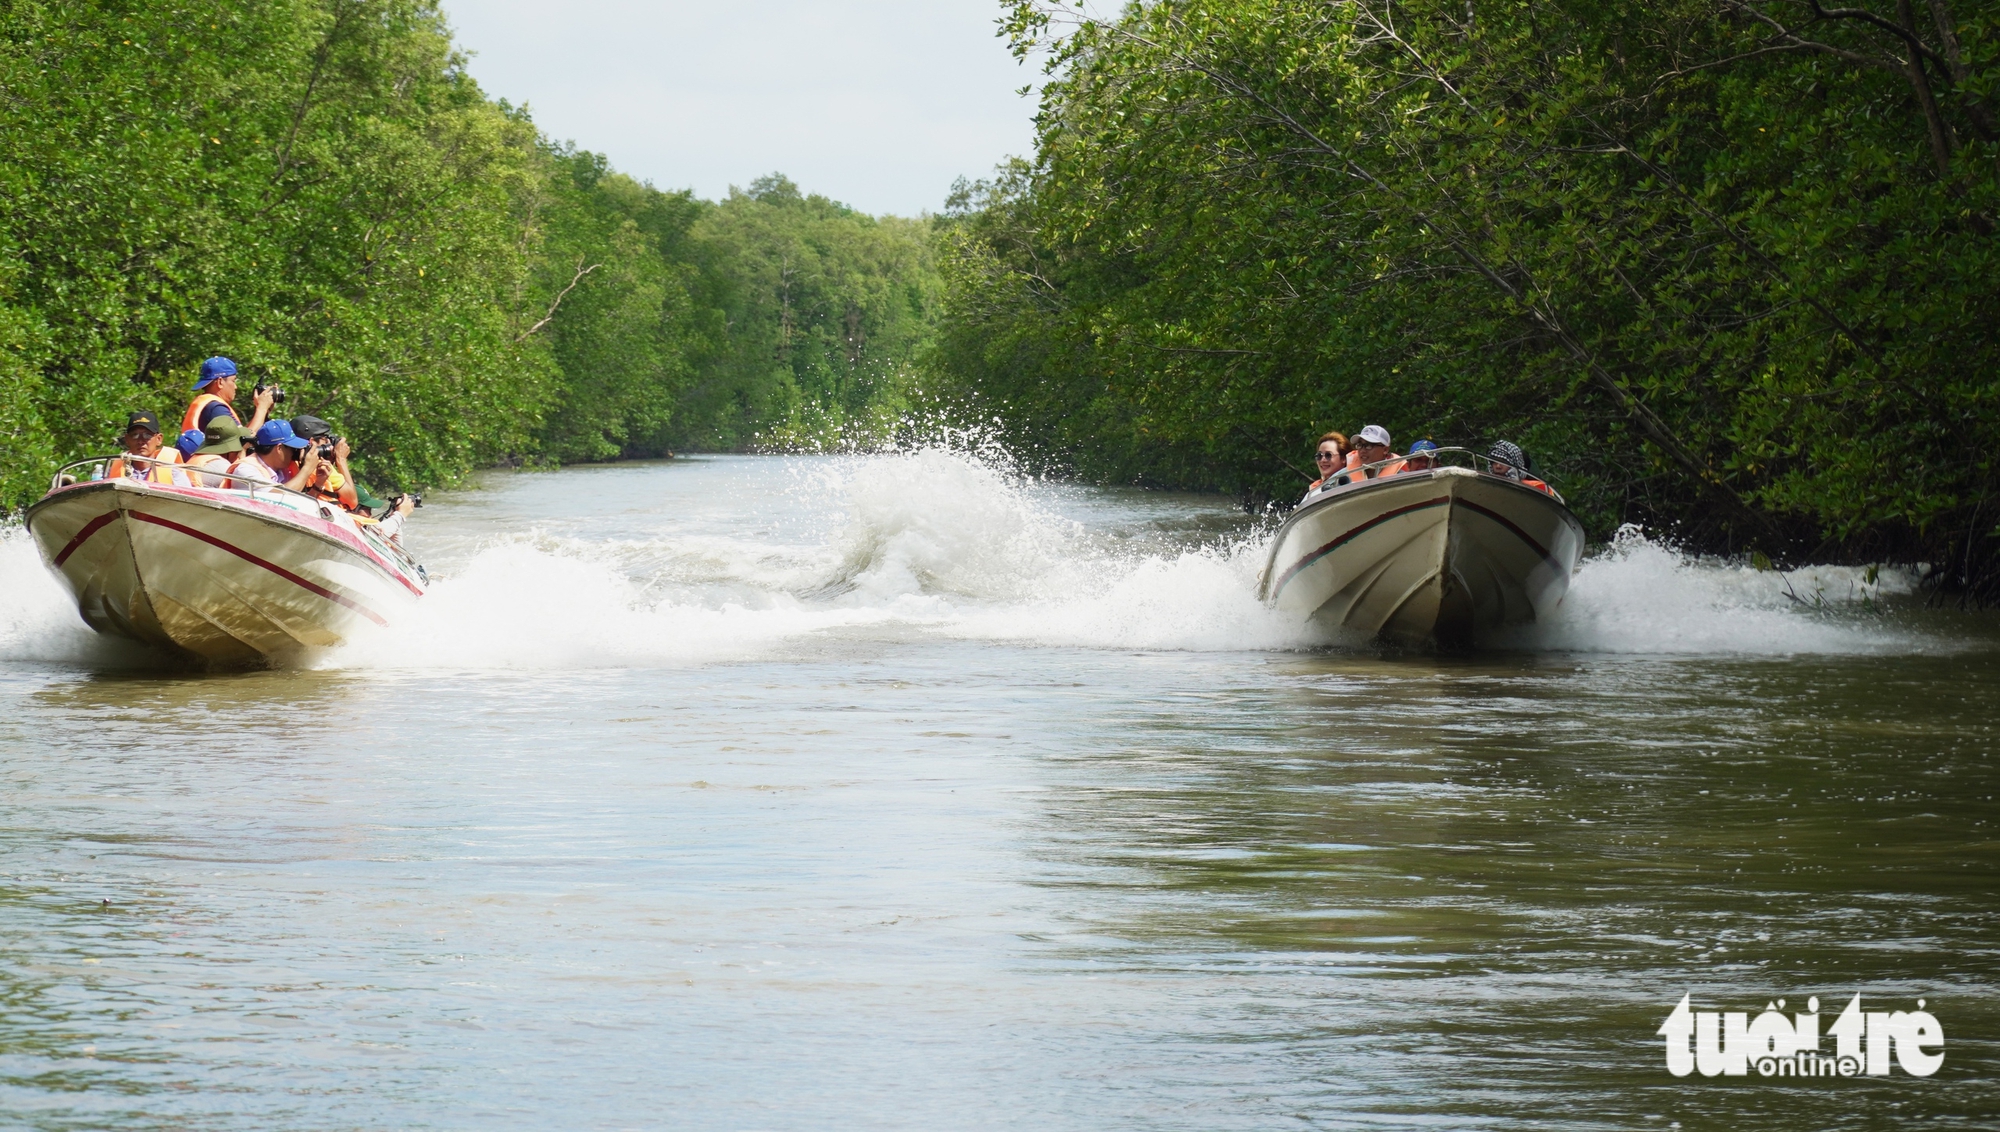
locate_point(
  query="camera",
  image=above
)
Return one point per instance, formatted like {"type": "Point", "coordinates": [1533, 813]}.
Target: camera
{"type": "Point", "coordinates": [396, 501]}
{"type": "Point", "coordinates": [277, 394]}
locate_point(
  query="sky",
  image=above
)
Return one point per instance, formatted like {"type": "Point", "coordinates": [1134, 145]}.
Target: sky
{"type": "Point", "coordinates": [876, 103]}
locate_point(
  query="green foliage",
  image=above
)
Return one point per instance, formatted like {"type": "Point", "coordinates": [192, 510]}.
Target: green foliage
{"type": "Point", "coordinates": [1727, 268]}
{"type": "Point", "coordinates": [314, 188]}
{"type": "Point", "coordinates": [318, 190]}
{"type": "Point", "coordinates": [826, 311]}
{"type": "Point", "coordinates": [621, 319]}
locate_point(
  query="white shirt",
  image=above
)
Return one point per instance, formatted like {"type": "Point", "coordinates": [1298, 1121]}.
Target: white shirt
{"type": "Point", "coordinates": [253, 467]}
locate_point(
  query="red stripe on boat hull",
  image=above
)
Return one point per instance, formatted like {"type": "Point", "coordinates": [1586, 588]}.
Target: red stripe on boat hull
{"type": "Point", "coordinates": [273, 567]}
{"type": "Point", "coordinates": [82, 536]}
{"type": "Point", "coordinates": [1329, 548]}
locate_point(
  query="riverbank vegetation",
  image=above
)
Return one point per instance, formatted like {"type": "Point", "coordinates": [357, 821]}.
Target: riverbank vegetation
{"type": "Point", "coordinates": [1727, 267]}
{"type": "Point", "coordinates": [317, 189]}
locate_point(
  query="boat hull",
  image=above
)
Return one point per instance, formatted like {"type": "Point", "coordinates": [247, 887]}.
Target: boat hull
{"type": "Point", "coordinates": [215, 573]}
{"type": "Point", "coordinates": [1447, 555]}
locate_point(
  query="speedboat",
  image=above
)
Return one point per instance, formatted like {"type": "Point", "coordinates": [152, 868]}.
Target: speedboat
{"type": "Point", "coordinates": [233, 574]}
{"type": "Point", "coordinates": [1448, 554]}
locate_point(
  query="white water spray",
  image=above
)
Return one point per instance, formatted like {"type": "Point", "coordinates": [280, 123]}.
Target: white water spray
{"type": "Point", "coordinates": [38, 619]}
{"type": "Point", "coordinates": [1640, 596]}
{"type": "Point", "coordinates": [764, 558]}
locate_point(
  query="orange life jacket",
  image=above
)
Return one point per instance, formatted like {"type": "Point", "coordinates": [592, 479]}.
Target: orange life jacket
{"type": "Point", "coordinates": [331, 487]}
{"type": "Point", "coordinates": [203, 471]}
{"type": "Point", "coordinates": [192, 418]}
{"type": "Point", "coordinates": [1396, 468]}
{"type": "Point", "coordinates": [161, 472]}
{"type": "Point", "coordinates": [1530, 481]}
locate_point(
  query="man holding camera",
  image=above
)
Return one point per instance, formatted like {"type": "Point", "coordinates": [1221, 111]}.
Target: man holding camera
{"type": "Point", "coordinates": [216, 389]}
{"type": "Point", "coordinates": [391, 525]}
{"type": "Point", "coordinates": [333, 482]}
{"type": "Point", "coordinates": [280, 456]}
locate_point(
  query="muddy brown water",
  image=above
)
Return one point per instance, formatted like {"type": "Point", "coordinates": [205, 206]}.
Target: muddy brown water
{"type": "Point", "coordinates": [746, 793]}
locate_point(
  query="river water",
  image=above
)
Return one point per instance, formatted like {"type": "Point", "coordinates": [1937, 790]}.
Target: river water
{"type": "Point", "coordinates": [897, 792]}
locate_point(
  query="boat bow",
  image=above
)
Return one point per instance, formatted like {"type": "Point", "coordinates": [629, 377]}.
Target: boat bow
{"type": "Point", "coordinates": [228, 574]}
{"type": "Point", "coordinates": [1443, 554]}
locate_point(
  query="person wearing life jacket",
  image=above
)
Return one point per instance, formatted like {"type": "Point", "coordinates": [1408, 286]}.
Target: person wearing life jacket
{"type": "Point", "coordinates": [1330, 458]}
{"type": "Point", "coordinates": [141, 438]}
{"type": "Point", "coordinates": [1506, 459]}
{"type": "Point", "coordinates": [277, 456]}
{"type": "Point", "coordinates": [1418, 460]}
{"type": "Point", "coordinates": [333, 483]}
{"type": "Point", "coordinates": [189, 443]}
{"type": "Point", "coordinates": [221, 448]}
{"type": "Point", "coordinates": [1371, 446]}
{"type": "Point", "coordinates": [214, 390]}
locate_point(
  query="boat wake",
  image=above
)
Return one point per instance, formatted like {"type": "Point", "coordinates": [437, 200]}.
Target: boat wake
{"type": "Point", "coordinates": [759, 558]}
{"type": "Point", "coordinates": [928, 544]}
{"type": "Point", "coordinates": [38, 619]}
{"type": "Point", "coordinates": [1641, 596]}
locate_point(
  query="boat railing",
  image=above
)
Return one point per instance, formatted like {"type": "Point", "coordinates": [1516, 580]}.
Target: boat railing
{"type": "Point", "coordinates": [252, 489]}
{"type": "Point", "coordinates": [1448, 458]}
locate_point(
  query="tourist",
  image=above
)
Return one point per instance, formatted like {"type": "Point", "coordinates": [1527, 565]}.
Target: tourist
{"type": "Point", "coordinates": [219, 452]}
{"type": "Point", "coordinates": [1331, 458]}
{"type": "Point", "coordinates": [278, 456]}
{"type": "Point", "coordinates": [189, 441]}
{"type": "Point", "coordinates": [215, 389]}
{"type": "Point", "coordinates": [141, 438]}
{"type": "Point", "coordinates": [1371, 446]}
{"type": "Point", "coordinates": [1506, 459]}
{"type": "Point", "coordinates": [391, 525]}
{"type": "Point", "coordinates": [1422, 458]}
{"type": "Point", "coordinates": [332, 483]}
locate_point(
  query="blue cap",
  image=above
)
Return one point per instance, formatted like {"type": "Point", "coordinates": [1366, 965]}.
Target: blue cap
{"type": "Point", "coordinates": [190, 440]}
{"type": "Point", "coordinates": [1422, 446]}
{"type": "Point", "coordinates": [214, 368]}
{"type": "Point", "coordinates": [279, 432]}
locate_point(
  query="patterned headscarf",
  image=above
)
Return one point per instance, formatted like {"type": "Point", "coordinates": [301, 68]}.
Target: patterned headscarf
{"type": "Point", "coordinates": [1508, 453]}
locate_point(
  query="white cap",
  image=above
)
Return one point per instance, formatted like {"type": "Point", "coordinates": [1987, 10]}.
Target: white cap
{"type": "Point", "coordinates": [1375, 434]}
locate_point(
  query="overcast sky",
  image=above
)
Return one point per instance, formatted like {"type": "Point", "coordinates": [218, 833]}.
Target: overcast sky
{"type": "Point", "coordinates": [878, 103]}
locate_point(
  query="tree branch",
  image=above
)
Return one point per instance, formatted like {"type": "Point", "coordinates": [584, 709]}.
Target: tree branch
{"type": "Point", "coordinates": [1909, 37]}
{"type": "Point", "coordinates": [581, 271]}
{"type": "Point", "coordinates": [320, 59]}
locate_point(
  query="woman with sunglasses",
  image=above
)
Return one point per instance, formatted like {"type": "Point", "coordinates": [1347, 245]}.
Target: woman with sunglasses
{"type": "Point", "coordinates": [1332, 460]}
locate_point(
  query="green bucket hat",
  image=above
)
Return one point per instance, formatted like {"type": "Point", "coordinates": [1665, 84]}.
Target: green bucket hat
{"type": "Point", "coordinates": [224, 437]}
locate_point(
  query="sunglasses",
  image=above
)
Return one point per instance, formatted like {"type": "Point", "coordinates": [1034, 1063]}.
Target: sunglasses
{"type": "Point", "coordinates": [1326, 456]}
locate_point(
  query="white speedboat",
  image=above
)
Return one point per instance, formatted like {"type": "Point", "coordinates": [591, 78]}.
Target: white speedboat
{"type": "Point", "coordinates": [1447, 554]}
{"type": "Point", "coordinates": [232, 575]}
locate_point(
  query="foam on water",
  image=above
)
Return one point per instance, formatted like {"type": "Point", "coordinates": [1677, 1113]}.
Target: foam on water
{"type": "Point", "coordinates": [938, 543]}
{"type": "Point", "coordinates": [1005, 564]}
{"type": "Point", "coordinates": [517, 606]}
{"type": "Point", "coordinates": [1640, 596]}
{"type": "Point", "coordinates": [929, 542]}
{"type": "Point", "coordinates": [38, 619]}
